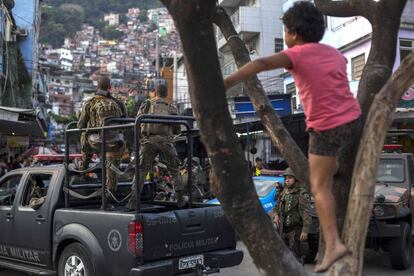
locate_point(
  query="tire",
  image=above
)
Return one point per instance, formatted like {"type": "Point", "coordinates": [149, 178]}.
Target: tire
{"type": "Point", "coordinates": [401, 249]}
{"type": "Point", "coordinates": [75, 258]}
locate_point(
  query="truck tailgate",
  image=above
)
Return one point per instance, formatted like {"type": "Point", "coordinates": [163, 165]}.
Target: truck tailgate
{"type": "Point", "coordinates": [186, 232]}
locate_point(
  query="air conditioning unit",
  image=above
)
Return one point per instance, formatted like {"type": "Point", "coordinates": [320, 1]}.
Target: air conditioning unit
{"type": "Point", "coordinates": [21, 32]}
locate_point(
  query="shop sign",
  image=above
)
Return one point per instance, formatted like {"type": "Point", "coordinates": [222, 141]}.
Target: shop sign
{"type": "Point", "coordinates": [17, 141]}
{"type": "Point", "coordinates": [407, 100]}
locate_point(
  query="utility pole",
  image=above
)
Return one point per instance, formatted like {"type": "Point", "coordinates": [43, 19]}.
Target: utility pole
{"type": "Point", "coordinates": [157, 57]}
{"type": "Point", "coordinates": [175, 78]}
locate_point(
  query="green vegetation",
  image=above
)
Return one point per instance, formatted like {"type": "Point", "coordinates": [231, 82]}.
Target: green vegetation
{"type": "Point", "coordinates": [111, 33]}
{"type": "Point", "coordinates": [62, 18]}
{"type": "Point", "coordinates": [62, 119]}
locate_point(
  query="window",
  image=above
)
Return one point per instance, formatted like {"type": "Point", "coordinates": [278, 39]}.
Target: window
{"type": "Point", "coordinates": [278, 45]}
{"type": "Point", "coordinates": [357, 64]}
{"type": "Point", "coordinates": [291, 89]}
{"type": "Point", "coordinates": [406, 46]}
{"type": "Point", "coordinates": [8, 189]}
{"type": "Point", "coordinates": [36, 187]}
{"type": "Point", "coordinates": [325, 19]}
{"type": "Point", "coordinates": [390, 170]}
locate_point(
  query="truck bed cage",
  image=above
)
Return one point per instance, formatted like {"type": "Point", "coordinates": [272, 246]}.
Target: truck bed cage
{"type": "Point", "coordinates": [114, 123]}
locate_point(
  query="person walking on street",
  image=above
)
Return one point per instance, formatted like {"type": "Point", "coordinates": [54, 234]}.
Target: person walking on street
{"type": "Point", "coordinates": [157, 139]}
{"type": "Point", "coordinates": [293, 213]}
{"type": "Point", "coordinates": [257, 168]}
{"type": "Point", "coordinates": [101, 106]}
{"type": "Point", "coordinates": [331, 110]}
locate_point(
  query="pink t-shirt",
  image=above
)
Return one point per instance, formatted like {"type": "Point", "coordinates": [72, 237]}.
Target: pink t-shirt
{"type": "Point", "coordinates": [319, 72]}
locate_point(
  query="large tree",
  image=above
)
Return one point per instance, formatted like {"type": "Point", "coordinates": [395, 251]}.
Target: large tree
{"type": "Point", "coordinates": [378, 95]}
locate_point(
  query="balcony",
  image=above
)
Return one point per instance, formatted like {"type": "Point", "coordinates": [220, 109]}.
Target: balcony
{"type": "Point", "coordinates": [247, 23]}
{"type": "Point", "coordinates": [229, 3]}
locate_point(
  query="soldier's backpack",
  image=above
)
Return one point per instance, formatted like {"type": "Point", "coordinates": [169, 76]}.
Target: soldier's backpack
{"type": "Point", "coordinates": [158, 107]}
{"type": "Point", "coordinates": [101, 108]}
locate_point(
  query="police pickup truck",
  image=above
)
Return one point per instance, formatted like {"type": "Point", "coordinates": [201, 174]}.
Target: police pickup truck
{"type": "Point", "coordinates": [51, 225]}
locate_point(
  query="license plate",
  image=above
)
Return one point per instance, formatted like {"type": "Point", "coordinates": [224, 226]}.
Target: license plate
{"type": "Point", "coordinates": [190, 262]}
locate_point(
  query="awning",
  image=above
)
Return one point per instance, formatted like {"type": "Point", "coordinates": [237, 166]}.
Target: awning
{"type": "Point", "coordinates": [19, 122]}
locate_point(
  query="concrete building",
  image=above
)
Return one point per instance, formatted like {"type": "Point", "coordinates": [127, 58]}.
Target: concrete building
{"type": "Point", "coordinates": [22, 117]}
{"type": "Point", "coordinates": [352, 36]}
{"type": "Point", "coordinates": [257, 24]}
{"type": "Point", "coordinates": [112, 19]}
{"type": "Point", "coordinates": [181, 96]}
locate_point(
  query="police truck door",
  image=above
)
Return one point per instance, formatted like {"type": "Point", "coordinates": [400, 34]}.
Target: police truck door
{"type": "Point", "coordinates": [8, 188]}
{"type": "Point", "coordinates": [32, 223]}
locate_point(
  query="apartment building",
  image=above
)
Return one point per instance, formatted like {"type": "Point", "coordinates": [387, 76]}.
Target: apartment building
{"type": "Point", "coordinates": [352, 36]}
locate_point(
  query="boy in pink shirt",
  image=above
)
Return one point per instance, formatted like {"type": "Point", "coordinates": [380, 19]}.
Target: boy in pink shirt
{"type": "Point", "coordinates": [331, 110]}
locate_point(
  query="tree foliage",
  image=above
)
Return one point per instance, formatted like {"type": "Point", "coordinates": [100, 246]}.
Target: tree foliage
{"type": "Point", "coordinates": [111, 33]}
{"type": "Point", "coordinates": [62, 119]}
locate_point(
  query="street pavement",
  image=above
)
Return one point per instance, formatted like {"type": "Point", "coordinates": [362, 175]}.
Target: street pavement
{"type": "Point", "coordinates": [376, 263]}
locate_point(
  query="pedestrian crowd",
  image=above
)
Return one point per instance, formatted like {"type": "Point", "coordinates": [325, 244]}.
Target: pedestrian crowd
{"type": "Point", "coordinates": [12, 162]}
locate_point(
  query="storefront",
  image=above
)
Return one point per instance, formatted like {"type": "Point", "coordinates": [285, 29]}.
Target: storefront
{"type": "Point", "coordinates": [18, 129]}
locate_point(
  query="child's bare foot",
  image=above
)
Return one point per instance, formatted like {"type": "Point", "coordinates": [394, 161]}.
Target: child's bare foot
{"type": "Point", "coordinates": [330, 257]}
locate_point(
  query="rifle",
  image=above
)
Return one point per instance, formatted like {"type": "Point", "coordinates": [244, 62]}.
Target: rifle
{"type": "Point", "coordinates": [281, 221]}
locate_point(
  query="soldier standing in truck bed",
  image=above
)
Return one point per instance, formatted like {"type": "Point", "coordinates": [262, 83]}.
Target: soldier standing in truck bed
{"type": "Point", "coordinates": [157, 139]}
{"type": "Point", "coordinates": [101, 106]}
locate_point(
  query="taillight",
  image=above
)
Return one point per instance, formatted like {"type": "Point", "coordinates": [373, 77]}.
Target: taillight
{"type": "Point", "coordinates": [136, 238]}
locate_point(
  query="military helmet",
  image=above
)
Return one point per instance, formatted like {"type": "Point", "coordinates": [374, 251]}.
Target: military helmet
{"type": "Point", "coordinates": [195, 160]}
{"type": "Point", "coordinates": [290, 172]}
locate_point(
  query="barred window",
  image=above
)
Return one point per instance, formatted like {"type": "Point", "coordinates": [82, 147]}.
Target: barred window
{"type": "Point", "coordinates": [406, 46]}
{"type": "Point", "coordinates": [278, 45]}
{"type": "Point", "coordinates": [357, 64]}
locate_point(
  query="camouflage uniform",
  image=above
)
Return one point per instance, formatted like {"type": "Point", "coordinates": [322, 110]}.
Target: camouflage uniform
{"type": "Point", "coordinates": [91, 141]}
{"type": "Point", "coordinates": [157, 139]}
{"type": "Point", "coordinates": [293, 209]}
{"type": "Point", "coordinates": [199, 178]}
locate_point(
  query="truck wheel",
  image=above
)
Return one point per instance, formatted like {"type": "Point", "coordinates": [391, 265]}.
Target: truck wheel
{"type": "Point", "coordinates": [74, 261]}
{"type": "Point", "coordinates": [401, 250]}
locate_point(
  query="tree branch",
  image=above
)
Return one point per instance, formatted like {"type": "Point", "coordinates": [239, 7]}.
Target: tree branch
{"type": "Point", "coordinates": [337, 8]}
{"type": "Point", "coordinates": [363, 183]}
{"type": "Point", "coordinates": [278, 133]}
{"type": "Point", "coordinates": [231, 175]}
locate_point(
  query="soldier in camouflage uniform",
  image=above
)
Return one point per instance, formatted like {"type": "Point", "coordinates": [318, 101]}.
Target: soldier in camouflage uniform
{"type": "Point", "coordinates": [37, 193]}
{"type": "Point", "coordinates": [292, 213]}
{"type": "Point", "coordinates": [93, 114]}
{"type": "Point", "coordinates": [157, 139]}
{"type": "Point", "coordinates": [199, 178]}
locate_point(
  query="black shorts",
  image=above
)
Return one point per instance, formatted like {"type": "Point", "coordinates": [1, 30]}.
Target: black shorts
{"type": "Point", "coordinates": [328, 142]}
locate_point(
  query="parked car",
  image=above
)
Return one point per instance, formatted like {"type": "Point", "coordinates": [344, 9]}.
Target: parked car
{"type": "Point", "coordinates": [390, 226]}
{"type": "Point", "coordinates": [265, 189]}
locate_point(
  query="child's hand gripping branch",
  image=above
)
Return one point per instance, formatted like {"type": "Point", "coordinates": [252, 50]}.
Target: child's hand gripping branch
{"type": "Point", "coordinates": [330, 108]}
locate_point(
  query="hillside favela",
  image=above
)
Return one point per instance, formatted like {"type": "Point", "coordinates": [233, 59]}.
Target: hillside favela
{"type": "Point", "coordinates": [198, 137]}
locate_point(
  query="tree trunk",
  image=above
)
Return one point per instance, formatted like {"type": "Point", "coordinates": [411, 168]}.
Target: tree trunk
{"type": "Point", "coordinates": [366, 166]}
{"type": "Point", "coordinates": [384, 17]}
{"type": "Point", "coordinates": [234, 185]}
{"type": "Point", "coordinates": [232, 178]}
